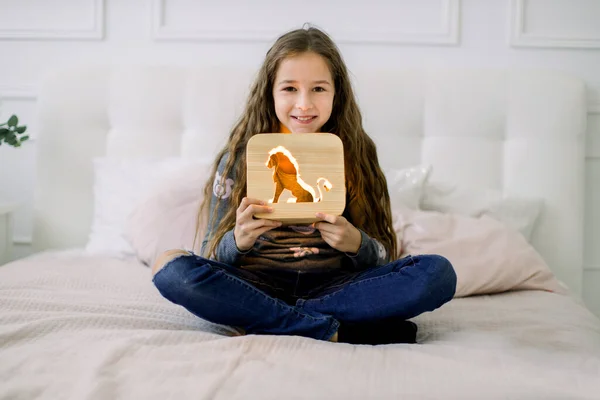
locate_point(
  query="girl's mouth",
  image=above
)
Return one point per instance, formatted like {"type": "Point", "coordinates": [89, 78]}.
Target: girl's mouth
{"type": "Point", "coordinates": [304, 120]}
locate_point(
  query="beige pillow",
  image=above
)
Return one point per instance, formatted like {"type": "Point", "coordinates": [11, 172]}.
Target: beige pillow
{"type": "Point", "coordinates": [167, 217]}
{"type": "Point", "coordinates": [488, 256]}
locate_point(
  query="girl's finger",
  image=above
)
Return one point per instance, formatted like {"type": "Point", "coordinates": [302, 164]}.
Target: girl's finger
{"type": "Point", "coordinates": [247, 201]}
{"type": "Point", "coordinates": [332, 219]}
{"type": "Point", "coordinates": [253, 209]}
{"type": "Point", "coordinates": [330, 239]}
{"type": "Point", "coordinates": [261, 222]}
{"type": "Point", "coordinates": [324, 227]}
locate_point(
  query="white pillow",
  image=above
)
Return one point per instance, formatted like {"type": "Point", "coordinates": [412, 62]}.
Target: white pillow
{"type": "Point", "coordinates": [519, 213]}
{"type": "Point", "coordinates": [406, 185]}
{"type": "Point", "coordinates": [167, 217]}
{"type": "Point", "coordinates": [118, 186]}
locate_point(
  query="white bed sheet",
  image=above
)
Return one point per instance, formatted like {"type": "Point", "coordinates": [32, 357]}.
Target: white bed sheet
{"type": "Point", "coordinates": [79, 327]}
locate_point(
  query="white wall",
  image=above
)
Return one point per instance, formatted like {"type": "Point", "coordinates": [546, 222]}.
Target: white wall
{"type": "Point", "coordinates": [39, 34]}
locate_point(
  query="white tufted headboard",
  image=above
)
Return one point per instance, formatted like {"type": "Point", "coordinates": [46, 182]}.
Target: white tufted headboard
{"type": "Point", "coordinates": [518, 131]}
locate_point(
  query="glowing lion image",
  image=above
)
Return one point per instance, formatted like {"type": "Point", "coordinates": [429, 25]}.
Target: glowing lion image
{"type": "Point", "coordinates": [286, 175]}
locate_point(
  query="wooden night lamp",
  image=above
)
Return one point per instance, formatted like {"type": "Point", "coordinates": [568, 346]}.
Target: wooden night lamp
{"type": "Point", "coordinates": [296, 174]}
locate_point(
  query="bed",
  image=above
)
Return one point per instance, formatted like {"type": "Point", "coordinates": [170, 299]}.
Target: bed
{"type": "Point", "coordinates": [80, 318]}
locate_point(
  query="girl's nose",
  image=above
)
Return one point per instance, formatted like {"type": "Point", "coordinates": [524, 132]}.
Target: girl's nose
{"type": "Point", "coordinates": [304, 102]}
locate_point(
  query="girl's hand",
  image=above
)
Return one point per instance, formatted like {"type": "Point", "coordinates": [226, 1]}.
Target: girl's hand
{"type": "Point", "coordinates": [247, 228]}
{"type": "Point", "coordinates": [339, 233]}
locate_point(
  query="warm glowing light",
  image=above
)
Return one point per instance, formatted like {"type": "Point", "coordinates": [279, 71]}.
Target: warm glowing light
{"type": "Point", "coordinates": [286, 175]}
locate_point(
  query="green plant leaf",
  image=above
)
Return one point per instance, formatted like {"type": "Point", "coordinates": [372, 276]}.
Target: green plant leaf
{"type": "Point", "coordinates": [24, 138]}
{"type": "Point", "coordinates": [3, 131]}
{"type": "Point", "coordinates": [21, 129]}
{"type": "Point", "coordinates": [13, 120]}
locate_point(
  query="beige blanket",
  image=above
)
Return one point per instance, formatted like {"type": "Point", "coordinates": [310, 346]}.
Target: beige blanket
{"type": "Point", "coordinates": [81, 327]}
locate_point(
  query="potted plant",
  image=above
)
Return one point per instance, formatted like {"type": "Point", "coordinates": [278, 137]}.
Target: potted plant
{"type": "Point", "coordinates": [10, 131]}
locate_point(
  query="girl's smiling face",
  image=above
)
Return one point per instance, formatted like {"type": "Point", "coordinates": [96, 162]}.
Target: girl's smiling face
{"type": "Point", "coordinates": [303, 92]}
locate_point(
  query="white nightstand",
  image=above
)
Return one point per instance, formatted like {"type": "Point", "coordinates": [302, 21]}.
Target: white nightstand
{"type": "Point", "coordinates": [6, 231]}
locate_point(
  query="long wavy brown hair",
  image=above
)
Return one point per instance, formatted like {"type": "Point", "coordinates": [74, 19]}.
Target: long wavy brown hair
{"type": "Point", "coordinates": [366, 185]}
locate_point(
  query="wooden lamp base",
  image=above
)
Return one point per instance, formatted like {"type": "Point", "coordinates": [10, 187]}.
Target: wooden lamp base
{"type": "Point", "coordinates": [297, 174]}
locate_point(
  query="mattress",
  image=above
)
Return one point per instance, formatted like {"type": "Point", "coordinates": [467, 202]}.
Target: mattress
{"type": "Point", "coordinates": [74, 326]}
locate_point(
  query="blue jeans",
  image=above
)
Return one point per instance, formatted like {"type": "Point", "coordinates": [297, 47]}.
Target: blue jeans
{"type": "Point", "coordinates": [310, 304]}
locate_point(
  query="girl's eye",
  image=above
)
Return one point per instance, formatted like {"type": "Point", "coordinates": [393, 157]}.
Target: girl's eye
{"type": "Point", "coordinates": [319, 89]}
{"type": "Point", "coordinates": [289, 89]}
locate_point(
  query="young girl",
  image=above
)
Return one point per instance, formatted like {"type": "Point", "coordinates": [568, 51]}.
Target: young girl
{"type": "Point", "coordinates": [338, 279]}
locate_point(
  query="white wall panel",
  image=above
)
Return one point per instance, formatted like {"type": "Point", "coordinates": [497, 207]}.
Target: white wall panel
{"type": "Point", "coordinates": [17, 180]}
{"type": "Point", "coordinates": [55, 19]}
{"type": "Point", "coordinates": [555, 23]}
{"type": "Point", "coordinates": [591, 257]}
{"type": "Point", "coordinates": [22, 92]}
{"type": "Point", "coordinates": [593, 136]}
{"type": "Point", "coordinates": [17, 165]}
{"type": "Point", "coordinates": [349, 21]}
